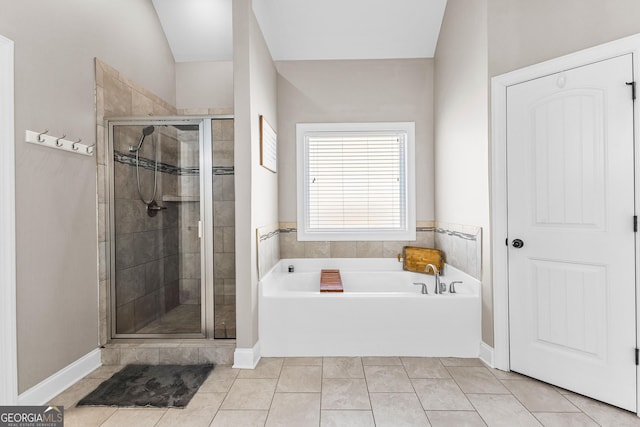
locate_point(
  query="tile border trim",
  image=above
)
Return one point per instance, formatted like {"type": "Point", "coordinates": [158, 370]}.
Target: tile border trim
{"type": "Point", "coordinates": [449, 232]}
{"type": "Point", "coordinates": [295, 230]}
{"type": "Point", "coordinates": [148, 164]}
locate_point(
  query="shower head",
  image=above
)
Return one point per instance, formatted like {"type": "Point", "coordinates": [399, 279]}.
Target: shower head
{"type": "Point", "coordinates": [145, 132]}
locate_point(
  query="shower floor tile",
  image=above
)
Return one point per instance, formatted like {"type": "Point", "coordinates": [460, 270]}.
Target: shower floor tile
{"type": "Point", "coordinates": [225, 321]}
{"type": "Point", "coordinates": [183, 319]}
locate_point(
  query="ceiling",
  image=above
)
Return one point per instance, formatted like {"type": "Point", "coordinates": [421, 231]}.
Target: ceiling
{"type": "Point", "coordinates": [201, 30]}
{"type": "Point", "coordinates": [197, 30]}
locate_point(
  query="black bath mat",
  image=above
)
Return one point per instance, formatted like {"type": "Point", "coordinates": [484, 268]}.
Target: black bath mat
{"type": "Point", "coordinates": [161, 386]}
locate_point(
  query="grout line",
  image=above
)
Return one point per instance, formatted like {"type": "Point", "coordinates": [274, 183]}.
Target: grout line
{"type": "Point", "coordinates": [161, 417]}
{"type": "Point", "coordinates": [321, 390]}
{"type": "Point", "coordinates": [273, 396]}
{"type": "Point", "coordinates": [465, 394]}
{"type": "Point", "coordinates": [112, 414]}
{"type": "Point", "coordinates": [366, 384]}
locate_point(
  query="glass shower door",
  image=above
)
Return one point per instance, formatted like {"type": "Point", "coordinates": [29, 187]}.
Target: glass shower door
{"type": "Point", "coordinates": [157, 277]}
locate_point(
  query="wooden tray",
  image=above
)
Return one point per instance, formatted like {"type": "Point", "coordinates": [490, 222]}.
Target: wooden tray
{"type": "Point", "coordinates": [330, 281]}
{"type": "Point", "coordinates": [416, 259]}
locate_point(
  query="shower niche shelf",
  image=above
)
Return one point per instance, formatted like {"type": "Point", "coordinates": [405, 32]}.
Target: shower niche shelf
{"type": "Point", "coordinates": [178, 199]}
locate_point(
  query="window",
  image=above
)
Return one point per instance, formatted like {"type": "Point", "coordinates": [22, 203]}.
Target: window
{"type": "Point", "coordinates": [356, 181]}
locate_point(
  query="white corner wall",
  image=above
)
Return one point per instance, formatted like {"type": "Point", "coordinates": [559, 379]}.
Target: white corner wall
{"type": "Point", "coordinates": [256, 188]}
{"type": "Point", "coordinates": [479, 40]}
{"type": "Point", "coordinates": [461, 131]}
{"type": "Point", "coordinates": [56, 225]}
{"type": "Point", "coordinates": [8, 343]}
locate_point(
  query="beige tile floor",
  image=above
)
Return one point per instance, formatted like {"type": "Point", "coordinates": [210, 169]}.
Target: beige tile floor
{"type": "Point", "coordinates": [367, 391]}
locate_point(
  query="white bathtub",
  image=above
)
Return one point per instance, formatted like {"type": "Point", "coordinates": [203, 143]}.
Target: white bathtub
{"type": "Point", "coordinates": [380, 312]}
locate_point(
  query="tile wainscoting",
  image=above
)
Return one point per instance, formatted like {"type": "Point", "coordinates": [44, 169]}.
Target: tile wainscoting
{"type": "Point", "coordinates": [290, 247]}
{"type": "Point", "coordinates": [461, 244]}
{"type": "Point", "coordinates": [268, 239]}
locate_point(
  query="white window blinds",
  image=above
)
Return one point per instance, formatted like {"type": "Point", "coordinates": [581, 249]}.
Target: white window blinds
{"type": "Point", "coordinates": [355, 182]}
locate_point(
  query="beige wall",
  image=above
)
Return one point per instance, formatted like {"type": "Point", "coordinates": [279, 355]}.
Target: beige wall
{"type": "Point", "coordinates": [481, 39]}
{"type": "Point", "coordinates": [204, 84]}
{"type": "Point", "coordinates": [524, 32]}
{"type": "Point", "coordinates": [56, 228]}
{"type": "Point", "coordinates": [355, 91]}
{"type": "Point", "coordinates": [461, 130]}
{"type": "Point", "coordinates": [256, 187]}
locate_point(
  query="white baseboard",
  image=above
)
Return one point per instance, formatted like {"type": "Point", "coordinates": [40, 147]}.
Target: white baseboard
{"type": "Point", "coordinates": [246, 358]}
{"type": "Point", "coordinates": [46, 390]}
{"type": "Point", "coordinates": [486, 354]}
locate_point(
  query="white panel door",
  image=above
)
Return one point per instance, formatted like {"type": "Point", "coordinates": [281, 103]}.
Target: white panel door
{"type": "Point", "coordinates": [570, 184]}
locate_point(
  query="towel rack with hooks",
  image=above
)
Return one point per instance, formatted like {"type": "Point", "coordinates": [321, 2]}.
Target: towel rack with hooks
{"type": "Point", "coordinates": [43, 138]}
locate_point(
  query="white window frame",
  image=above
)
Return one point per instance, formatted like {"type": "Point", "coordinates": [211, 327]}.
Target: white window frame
{"type": "Point", "coordinates": [303, 130]}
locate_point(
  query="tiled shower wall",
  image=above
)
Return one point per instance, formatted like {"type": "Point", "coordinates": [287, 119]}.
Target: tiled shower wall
{"type": "Point", "coordinates": [224, 215]}
{"type": "Point", "coordinates": [187, 198]}
{"type": "Point", "coordinates": [116, 95]}
{"type": "Point", "coordinates": [146, 255]}
{"type": "Point", "coordinates": [223, 221]}
{"type": "Point", "coordinates": [224, 232]}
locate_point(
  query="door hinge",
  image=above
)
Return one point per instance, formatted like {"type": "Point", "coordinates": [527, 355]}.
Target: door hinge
{"type": "Point", "coordinates": [506, 241]}
{"type": "Point", "coordinates": [637, 356]}
{"type": "Point", "coordinates": [633, 89]}
{"type": "Point", "coordinates": [635, 223]}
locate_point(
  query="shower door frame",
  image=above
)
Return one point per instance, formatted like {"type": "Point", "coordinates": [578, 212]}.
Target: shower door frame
{"type": "Point", "coordinates": [206, 219]}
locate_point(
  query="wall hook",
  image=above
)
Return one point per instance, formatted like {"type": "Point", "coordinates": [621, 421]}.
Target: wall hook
{"type": "Point", "coordinates": [60, 143]}
{"type": "Point", "coordinates": [40, 134]}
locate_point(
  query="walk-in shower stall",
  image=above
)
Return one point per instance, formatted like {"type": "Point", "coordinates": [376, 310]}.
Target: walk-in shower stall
{"type": "Point", "coordinates": [171, 220]}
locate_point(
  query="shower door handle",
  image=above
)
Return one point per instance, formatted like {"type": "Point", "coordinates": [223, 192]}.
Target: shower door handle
{"type": "Point", "coordinates": [199, 229]}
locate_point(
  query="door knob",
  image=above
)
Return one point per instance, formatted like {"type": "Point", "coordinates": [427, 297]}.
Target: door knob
{"type": "Point", "coordinates": [517, 243]}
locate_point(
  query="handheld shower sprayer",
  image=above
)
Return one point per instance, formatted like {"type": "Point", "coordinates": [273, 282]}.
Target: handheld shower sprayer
{"type": "Point", "coordinates": [145, 132]}
{"type": "Point", "coordinates": [152, 206]}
